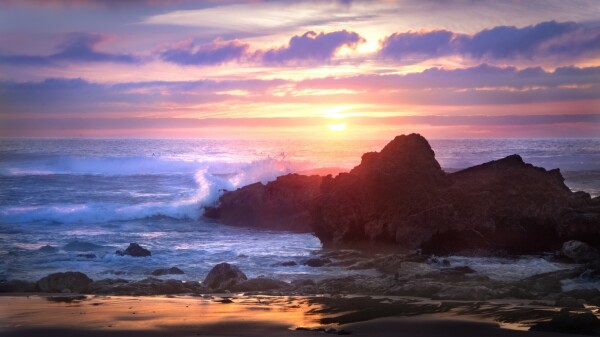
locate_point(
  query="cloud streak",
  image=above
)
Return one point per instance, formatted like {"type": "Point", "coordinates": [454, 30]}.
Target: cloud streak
{"type": "Point", "coordinates": [308, 48]}
{"type": "Point", "coordinates": [77, 47]}
{"type": "Point", "coordinates": [481, 85]}
{"type": "Point", "coordinates": [541, 41]}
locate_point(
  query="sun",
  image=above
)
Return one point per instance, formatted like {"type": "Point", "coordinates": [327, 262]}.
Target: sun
{"type": "Point", "coordinates": [337, 127]}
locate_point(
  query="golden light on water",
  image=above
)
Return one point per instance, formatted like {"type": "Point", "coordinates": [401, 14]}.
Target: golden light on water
{"type": "Point", "coordinates": [337, 127]}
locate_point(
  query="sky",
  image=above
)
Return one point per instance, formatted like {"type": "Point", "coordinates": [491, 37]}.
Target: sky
{"type": "Point", "coordinates": [299, 69]}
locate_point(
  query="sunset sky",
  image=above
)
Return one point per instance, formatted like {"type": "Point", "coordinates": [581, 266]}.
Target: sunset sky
{"type": "Point", "coordinates": [299, 69]}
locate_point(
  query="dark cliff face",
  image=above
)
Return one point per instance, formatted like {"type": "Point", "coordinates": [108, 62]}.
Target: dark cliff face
{"type": "Point", "coordinates": [366, 204]}
{"type": "Point", "coordinates": [279, 205]}
{"type": "Point", "coordinates": [401, 196]}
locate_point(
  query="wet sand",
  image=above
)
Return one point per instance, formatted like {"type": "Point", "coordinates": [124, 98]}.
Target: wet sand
{"type": "Point", "coordinates": [227, 315]}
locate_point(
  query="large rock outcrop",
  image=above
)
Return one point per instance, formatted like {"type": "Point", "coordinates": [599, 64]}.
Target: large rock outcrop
{"type": "Point", "coordinates": [282, 204]}
{"type": "Point", "coordinates": [401, 196]}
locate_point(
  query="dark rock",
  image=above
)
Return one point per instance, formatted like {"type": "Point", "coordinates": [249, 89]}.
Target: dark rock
{"type": "Point", "coordinates": [148, 286]}
{"type": "Point", "coordinates": [580, 252]}
{"type": "Point", "coordinates": [64, 282]}
{"type": "Point", "coordinates": [568, 302]}
{"type": "Point", "coordinates": [565, 322]}
{"type": "Point", "coordinates": [134, 250]}
{"type": "Point", "coordinates": [81, 246]}
{"type": "Point", "coordinates": [459, 270]}
{"type": "Point", "coordinates": [316, 262]}
{"type": "Point", "coordinates": [546, 283]}
{"type": "Point", "coordinates": [224, 276]}
{"type": "Point", "coordinates": [260, 284]}
{"type": "Point", "coordinates": [105, 286]}
{"type": "Point", "coordinates": [87, 255]}
{"type": "Point", "coordinates": [285, 264]}
{"type": "Point", "coordinates": [279, 205]}
{"type": "Point", "coordinates": [48, 249]}
{"type": "Point", "coordinates": [586, 294]}
{"type": "Point", "coordinates": [169, 271]}
{"type": "Point", "coordinates": [401, 196]}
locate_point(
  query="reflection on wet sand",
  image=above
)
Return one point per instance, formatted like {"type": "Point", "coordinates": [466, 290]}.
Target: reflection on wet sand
{"type": "Point", "coordinates": [257, 316]}
{"type": "Point", "coordinates": [136, 313]}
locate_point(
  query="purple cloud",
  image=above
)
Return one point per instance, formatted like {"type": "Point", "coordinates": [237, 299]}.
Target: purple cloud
{"type": "Point", "coordinates": [546, 39]}
{"type": "Point", "coordinates": [77, 47]}
{"type": "Point", "coordinates": [301, 49]}
{"type": "Point", "coordinates": [216, 52]}
{"type": "Point", "coordinates": [311, 47]}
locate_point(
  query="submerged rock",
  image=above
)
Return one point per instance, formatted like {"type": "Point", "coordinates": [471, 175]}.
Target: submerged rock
{"type": "Point", "coordinates": [134, 250]}
{"type": "Point", "coordinates": [224, 276]}
{"type": "Point", "coordinates": [64, 282]}
{"type": "Point", "coordinates": [48, 249]}
{"type": "Point", "coordinates": [282, 204]}
{"type": "Point", "coordinates": [316, 262]}
{"type": "Point", "coordinates": [580, 252]}
{"type": "Point", "coordinates": [87, 255]}
{"type": "Point", "coordinates": [169, 271]}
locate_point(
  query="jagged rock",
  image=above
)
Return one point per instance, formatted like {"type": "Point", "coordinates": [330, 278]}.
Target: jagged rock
{"type": "Point", "coordinates": [64, 282]}
{"type": "Point", "coordinates": [260, 284]}
{"type": "Point", "coordinates": [401, 197]}
{"type": "Point", "coordinates": [580, 251]}
{"type": "Point", "coordinates": [167, 271]}
{"type": "Point", "coordinates": [279, 205]}
{"type": "Point", "coordinates": [285, 264]}
{"type": "Point", "coordinates": [148, 286]}
{"type": "Point", "coordinates": [224, 276]}
{"type": "Point", "coordinates": [48, 249]}
{"type": "Point", "coordinates": [134, 250]}
{"type": "Point", "coordinates": [316, 262]}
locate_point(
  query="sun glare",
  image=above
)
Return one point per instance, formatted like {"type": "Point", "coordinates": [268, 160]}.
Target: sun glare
{"type": "Point", "coordinates": [337, 127]}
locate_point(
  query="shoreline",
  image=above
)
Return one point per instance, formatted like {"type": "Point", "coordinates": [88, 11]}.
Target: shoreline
{"type": "Point", "coordinates": [256, 315]}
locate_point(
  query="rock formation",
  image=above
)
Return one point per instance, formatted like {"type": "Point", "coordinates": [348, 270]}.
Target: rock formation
{"type": "Point", "coordinates": [282, 204]}
{"type": "Point", "coordinates": [63, 282]}
{"type": "Point", "coordinates": [134, 250]}
{"type": "Point", "coordinates": [224, 276]}
{"type": "Point", "coordinates": [401, 196]}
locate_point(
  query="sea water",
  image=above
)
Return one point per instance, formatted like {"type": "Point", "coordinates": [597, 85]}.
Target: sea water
{"type": "Point", "coordinates": [90, 197]}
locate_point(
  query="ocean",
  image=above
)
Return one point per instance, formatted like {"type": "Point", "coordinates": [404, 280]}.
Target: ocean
{"type": "Point", "coordinates": [89, 197]}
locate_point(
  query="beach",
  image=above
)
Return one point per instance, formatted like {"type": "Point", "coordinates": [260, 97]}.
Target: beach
{"type": "Point", "coordinates": [243, 315]}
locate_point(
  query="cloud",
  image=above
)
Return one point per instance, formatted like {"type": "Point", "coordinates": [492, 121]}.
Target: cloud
{"type": "Point", "coordinates": [544, 40]}
{"type": "Point", "coordinates": [481, 77]}
{"type": "Point", "coordinates": [216, 52]}
{"type": "Point", "coordinates": [77, 47]}
{"type": "Point", "coordinates": [483, 85]}
{"type": "Point", "coordinates": [308, 48]}
{"type": "Point", "coordinates": [311, 47]}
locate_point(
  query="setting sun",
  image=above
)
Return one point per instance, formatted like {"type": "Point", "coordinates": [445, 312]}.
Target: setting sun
{"type": "Point", "coordinates": [337, 127]}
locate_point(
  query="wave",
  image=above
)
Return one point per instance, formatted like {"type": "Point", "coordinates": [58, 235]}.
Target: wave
{"type": "Point", "coordinates": [159, 194]}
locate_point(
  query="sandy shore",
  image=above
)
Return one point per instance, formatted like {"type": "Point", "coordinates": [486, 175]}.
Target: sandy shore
{"type": "Point", "coordinates": [228, 315]}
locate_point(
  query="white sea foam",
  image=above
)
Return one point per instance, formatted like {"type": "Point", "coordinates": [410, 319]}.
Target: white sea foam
{"type": "Point", "coordinates": [128, 200]}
